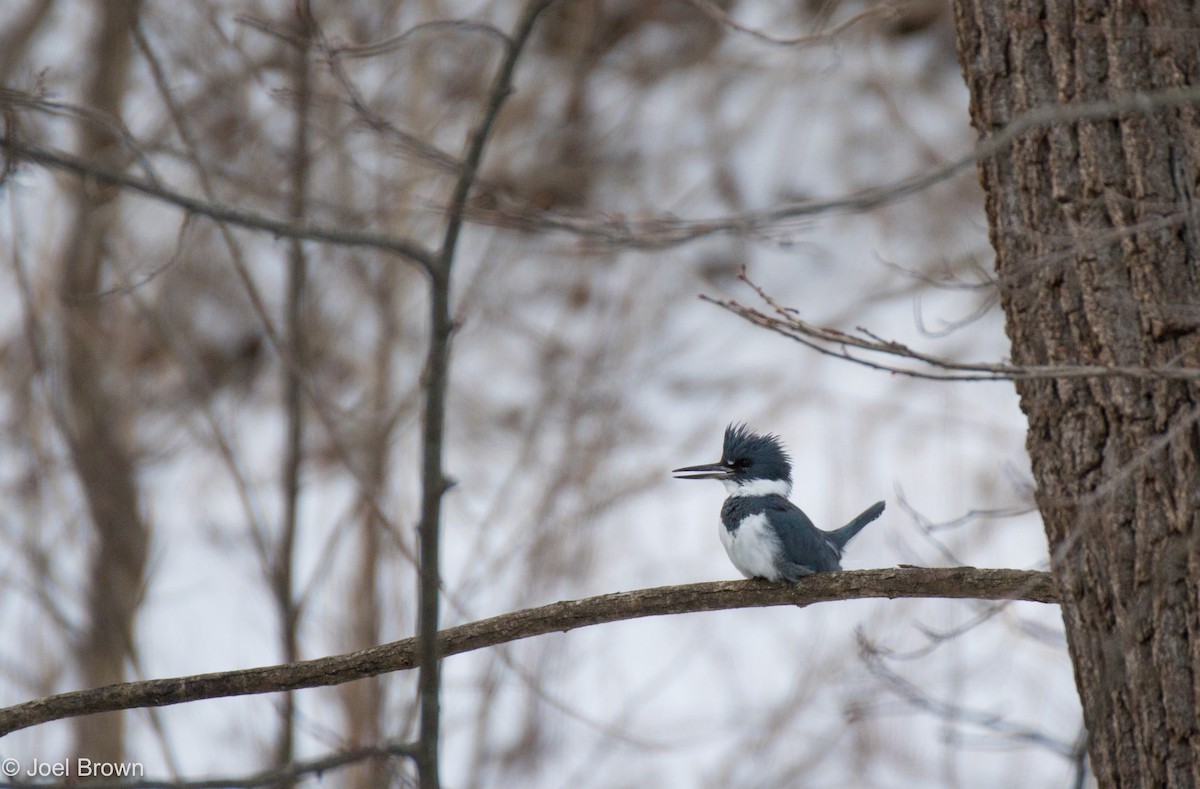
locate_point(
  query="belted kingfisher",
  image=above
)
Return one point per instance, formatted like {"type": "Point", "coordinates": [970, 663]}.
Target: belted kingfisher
{"type": "Point", "coordinates": [765, 535]}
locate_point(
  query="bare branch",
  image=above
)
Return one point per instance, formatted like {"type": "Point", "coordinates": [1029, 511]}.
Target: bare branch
{"type": "Point", "coordinates": [435, 385]}
{"type": "Point", "coordinates": [989, 721]}
{"type": "Point", "coordinates": [304, 231]}
{"type": "Point", "coordinates": [951, 583]}
{"type": "Point", "coordinates": [412, 145]}
{"type": "Point", "coordinates": [103, 457]}
{"type": "Point", "coordinates": [653, 233]}
{"type": "Point", "coordinates": [388, 45]}
{"type": "Point", "coordinates": [721, 17]}
{"type": "Point", "coordinates": [839, 344]}
{"type": "Point", "coordinates": [295, 316]}
{"type": "Point", "coordinates": [668, 231]}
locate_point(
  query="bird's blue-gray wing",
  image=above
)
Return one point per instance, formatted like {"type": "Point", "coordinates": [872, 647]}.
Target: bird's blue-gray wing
{"type": "Point", "coordinates": [804, 545]}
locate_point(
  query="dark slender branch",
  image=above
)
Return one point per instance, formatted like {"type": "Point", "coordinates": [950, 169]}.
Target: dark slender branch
{"type": "Point", "coordinates": [433, 486]}
{"type": "Point", "coordinates": [497, 95]}
{"type": "Point", "coordinates": [285, 774]}
{"type": "Point", "coordinates": [952, 583]}
{"type": "Point", "coordinates": [409, 250]}
{"type": "Point", "coordinates": [283, 571]}
{"type": "Point", "coordinates": [435, 384]}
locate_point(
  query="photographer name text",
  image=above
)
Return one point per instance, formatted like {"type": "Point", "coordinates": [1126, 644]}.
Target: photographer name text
{"type": "Point", "coordinates": [72, 768]}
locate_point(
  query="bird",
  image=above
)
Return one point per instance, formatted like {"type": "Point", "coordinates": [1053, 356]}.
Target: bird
{"type": "Point", "coordinates": [765, 534]}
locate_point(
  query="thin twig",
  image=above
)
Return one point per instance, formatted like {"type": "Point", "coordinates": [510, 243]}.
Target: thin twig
{"type": "Point", "coordinates": [825, 36]}
{"type": "Point", "coordinates": [839, 344]}
{"type": "Point", "coordinates": [989, 721]}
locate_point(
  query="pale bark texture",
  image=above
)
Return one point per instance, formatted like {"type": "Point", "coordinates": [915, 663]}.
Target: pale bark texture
{"type": "Point", "coordinates": [1097, 237]}
{"type": "Point", "coordinates": [93, 421]}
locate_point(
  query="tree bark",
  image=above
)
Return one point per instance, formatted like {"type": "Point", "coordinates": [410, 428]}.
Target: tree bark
{"type": "Point", "coordinates": [94, 419]}
{"type": "Point", "coordinates": [1096, 235]}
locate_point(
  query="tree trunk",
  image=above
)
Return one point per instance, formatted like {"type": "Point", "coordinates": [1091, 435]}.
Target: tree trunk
{"type": "Point", "coordinates": [1097, 238]}
{"type": "Point", "coordinates": [95, 421]}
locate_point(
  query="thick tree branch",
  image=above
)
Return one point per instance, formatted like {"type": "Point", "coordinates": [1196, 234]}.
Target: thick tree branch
{"type": "Point", "coordinates": [953, 583]}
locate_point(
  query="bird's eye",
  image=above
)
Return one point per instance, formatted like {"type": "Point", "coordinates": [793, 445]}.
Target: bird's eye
{"type": "Point", "coordinates": [741, 464]}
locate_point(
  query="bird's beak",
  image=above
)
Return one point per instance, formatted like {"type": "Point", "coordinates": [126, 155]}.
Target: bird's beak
{"type": "Point", "coordinates": [710, 471]}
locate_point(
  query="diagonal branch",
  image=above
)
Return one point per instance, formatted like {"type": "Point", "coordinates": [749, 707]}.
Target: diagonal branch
{"type": "Point", "coordinates": [950, 582]}
{"type": "Point", "coordinates": [841, 345]}
{"type": "Point", "coordinates": [304, 231]}
{"type": "Point", "coordinates": [664, 231]}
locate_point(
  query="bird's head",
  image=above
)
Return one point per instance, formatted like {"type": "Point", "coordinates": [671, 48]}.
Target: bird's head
{"type": "Point", "coordinates": [751, 464]}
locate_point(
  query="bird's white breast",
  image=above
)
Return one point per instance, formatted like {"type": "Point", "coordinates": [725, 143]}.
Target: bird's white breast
{"type": "Point", "coordinates": [752, 547]}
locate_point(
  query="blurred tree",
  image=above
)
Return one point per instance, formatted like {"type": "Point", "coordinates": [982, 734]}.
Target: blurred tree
{"type": "Point", "coordinates": [95, 418]}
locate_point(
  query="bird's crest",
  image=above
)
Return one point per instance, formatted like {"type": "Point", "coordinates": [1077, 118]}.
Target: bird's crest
{"type": "Point", "coordinates": [760, 449]}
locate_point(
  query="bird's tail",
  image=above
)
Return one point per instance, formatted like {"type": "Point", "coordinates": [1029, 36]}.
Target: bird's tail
{"type": "Point", "coordinates": [839, 537]}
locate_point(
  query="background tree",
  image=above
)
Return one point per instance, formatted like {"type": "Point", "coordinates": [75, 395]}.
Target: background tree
{"type": "Point", "coordinates": [93, 419]}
